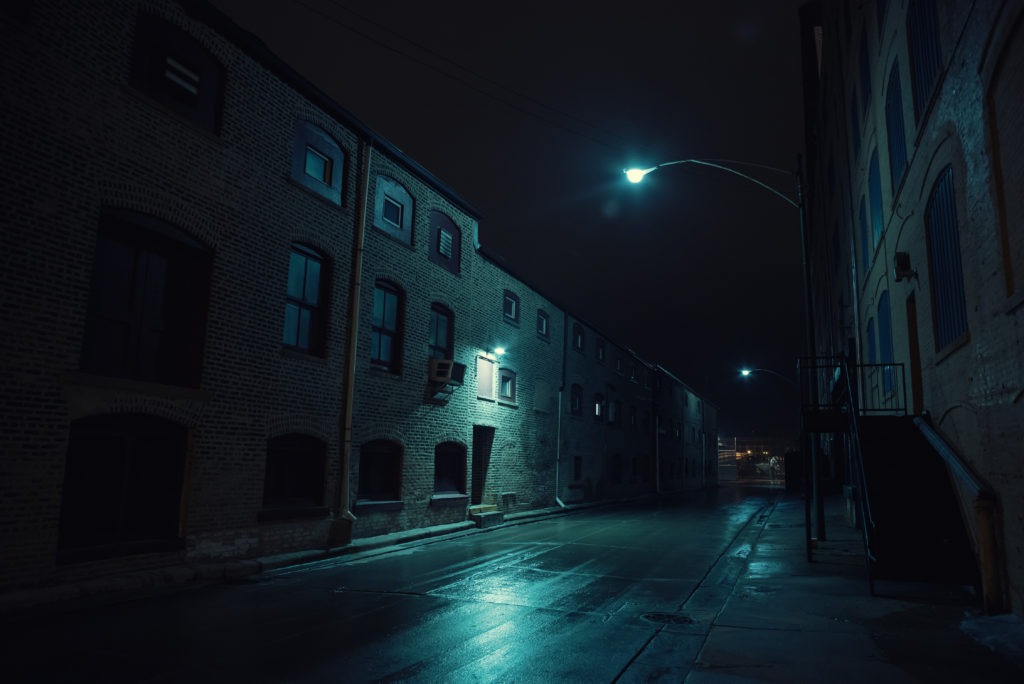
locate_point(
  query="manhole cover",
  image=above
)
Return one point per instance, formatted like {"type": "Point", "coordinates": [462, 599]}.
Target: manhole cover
{"type": "Point", "coordinates": [668, 618]}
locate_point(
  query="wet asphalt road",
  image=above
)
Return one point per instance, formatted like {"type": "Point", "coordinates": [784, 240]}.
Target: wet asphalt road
{"type": "Point", "coordinates": [603, 595]}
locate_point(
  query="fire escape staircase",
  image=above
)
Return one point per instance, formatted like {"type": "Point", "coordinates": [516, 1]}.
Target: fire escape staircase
{"type": "Point", "coordinates": [924, 516]}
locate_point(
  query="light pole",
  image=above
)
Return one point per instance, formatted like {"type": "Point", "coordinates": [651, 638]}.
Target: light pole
{"type": "Point", "coordinates": [635, 175]}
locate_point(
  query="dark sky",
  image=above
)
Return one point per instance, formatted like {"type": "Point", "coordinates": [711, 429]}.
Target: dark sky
{"type": "Point", "coordinates": [531, 110]}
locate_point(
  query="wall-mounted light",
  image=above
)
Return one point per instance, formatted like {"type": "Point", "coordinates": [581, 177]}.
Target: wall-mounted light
{"type": "Point", "coordinates": [902, 270]}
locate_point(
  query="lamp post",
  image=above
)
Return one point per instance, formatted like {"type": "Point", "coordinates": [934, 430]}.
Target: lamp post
{"type": "Point", "coordinates": [635, 175]}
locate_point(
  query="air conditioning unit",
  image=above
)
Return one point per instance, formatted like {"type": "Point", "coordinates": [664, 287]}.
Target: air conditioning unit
{"type": "Point", "coordinates": [446, 372]}
{"type": "Point", "coordinates": [902, 269]}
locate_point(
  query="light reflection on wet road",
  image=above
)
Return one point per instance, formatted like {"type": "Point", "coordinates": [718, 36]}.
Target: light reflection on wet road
{"type": "Point", "coordinates": [558, 599]}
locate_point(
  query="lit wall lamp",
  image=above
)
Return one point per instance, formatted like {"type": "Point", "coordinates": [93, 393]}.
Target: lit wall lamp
{"type": "Point", "coordinates": [495, 353]}
{"type": "Point", "coordinates": [902, 270]}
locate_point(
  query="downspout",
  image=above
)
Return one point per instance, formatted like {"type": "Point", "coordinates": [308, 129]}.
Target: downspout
{"type": "Point", "coordinates": [341, 525]}
{"type": "Point", "coordinates": [657, 452]}
{"type": "Point", "coordinates": [561, 395]}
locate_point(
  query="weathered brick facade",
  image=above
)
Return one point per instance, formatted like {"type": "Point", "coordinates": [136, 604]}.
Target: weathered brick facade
{"type": "Point", "coordinates": [915, 110]}
{"type": "Point", "coordinates": [180, 239]}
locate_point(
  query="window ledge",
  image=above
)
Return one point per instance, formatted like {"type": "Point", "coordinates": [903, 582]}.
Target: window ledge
{"type": "Point", "coordinates": [506, 402]}
{"type": "Point", "coordinates": [449, 500]}
{"type": "Point", "coordinates": [952, 348]}
{"type": "Point", "coordinates": [293, 353]}
{"type": "Point", "coordinates": [378, 506]}
{"type": "Point", "coordinates": [324, 193]}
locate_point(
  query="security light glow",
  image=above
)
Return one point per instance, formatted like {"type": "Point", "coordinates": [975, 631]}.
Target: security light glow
{"type": "Point", "coordinates": [499, 351]}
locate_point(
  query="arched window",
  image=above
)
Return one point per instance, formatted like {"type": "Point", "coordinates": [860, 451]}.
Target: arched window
{"type": "Point", "coordinates": [949, 306]}
{"type": "Point", "coordinates": [123, 484]}
{"type": "Point", "coordinates": [449, 468]}
{"type": "Point", "coordinates": [445, 241]}
{"type": "Point", "coordinates": [386, 340]}
{"type": "Point", "coordinates": [293, 484]}
{"type": "Point", "coordinates": [305, 309]}
{"type": "Point", "coordinates": [393, 210]}
{"type": "Point", "coordinates": [148, 300]}
{"type": "Point", "coordinates": [380, 471]}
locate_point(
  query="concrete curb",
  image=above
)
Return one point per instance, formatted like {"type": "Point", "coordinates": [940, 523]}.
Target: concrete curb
{"type": "Point", "coordinates": [130, 585]}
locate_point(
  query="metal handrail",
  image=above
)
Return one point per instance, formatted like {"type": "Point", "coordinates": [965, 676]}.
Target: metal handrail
{"type": "Point", "coordinates": [857, 456]}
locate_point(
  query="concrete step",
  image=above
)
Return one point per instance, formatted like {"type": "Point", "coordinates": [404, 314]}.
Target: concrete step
{"type": "Point", "coordinates": [487, 519]}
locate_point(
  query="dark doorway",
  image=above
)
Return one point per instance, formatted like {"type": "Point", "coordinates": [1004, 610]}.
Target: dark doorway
{"type": "Point", "coordinates": [483, 442]}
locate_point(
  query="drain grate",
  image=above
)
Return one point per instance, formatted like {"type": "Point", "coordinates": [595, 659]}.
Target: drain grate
{"type": "Point", "coordinates": [669, 618]}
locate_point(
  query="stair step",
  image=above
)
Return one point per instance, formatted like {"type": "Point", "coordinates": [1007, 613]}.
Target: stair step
{"type": "Point", "coordinates": [489, 519]}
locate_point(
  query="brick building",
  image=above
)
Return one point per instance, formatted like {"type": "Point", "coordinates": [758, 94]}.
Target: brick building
{"type": "Point", "coordinates": [238, 322]}
{"type": "Point", "coordinates": [914, 131]}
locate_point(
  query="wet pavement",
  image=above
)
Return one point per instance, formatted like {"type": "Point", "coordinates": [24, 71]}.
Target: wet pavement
{"type": "Point", "coordinates": [701, 588]}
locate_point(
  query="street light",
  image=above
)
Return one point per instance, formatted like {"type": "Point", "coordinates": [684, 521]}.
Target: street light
{"type": "Point", "coordinates": [635, 175]}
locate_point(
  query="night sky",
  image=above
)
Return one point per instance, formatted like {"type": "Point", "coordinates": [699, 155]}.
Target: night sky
{"type": "Point", "coordinates": [531, 110]}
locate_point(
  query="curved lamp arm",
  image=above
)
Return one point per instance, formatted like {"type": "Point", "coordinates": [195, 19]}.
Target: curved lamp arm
{"type": "Point", "coordinates": [637, 175]}
{"type": "Point", "coordinates": [745, 372]}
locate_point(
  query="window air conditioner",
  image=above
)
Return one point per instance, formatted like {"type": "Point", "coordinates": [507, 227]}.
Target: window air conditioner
{"type": "Point", "coordinates": [446, 372]}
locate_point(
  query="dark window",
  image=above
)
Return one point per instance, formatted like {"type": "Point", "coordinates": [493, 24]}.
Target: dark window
{"type": "Point", "coordinates": [147, 306]}
{"type": "Point", "coordinates": [615, 412]}
{"type": "Point", "coordinates": [576, 400]}
{"type": "Point", "coordinates": [885, 347]}
{"type": "Point", "coordinates": [510, 307]}
{"type": "Point", "coordinates": [894, 129]}
{"type": "Point", "coordinates": [875, 193]}
{"type": "Point", "coordinates": [380, 471]}
{"type": "Point", "coordinates": [173, 68]}
{"type": "Point", "coordinates": [393, 208]}
{"type": "Point", "coordinates": [854, 126]}
{"type": "Point", "coordinates": [122, 489]}
{"type": "Point", "coordinates": [386, 340]}
{"type": "Point", "coordinates": [599, 350]}
{"type": "Point", "coordinates": [632, 417]}
{"type": "Point", "coordinates": [317, 162]}
{"type": "Point", "coordinates": [441, 324]}
{"type": "Point", "coordinates": [506, 385]}
{"type": "Point", "coordinates": [449, 468]}
{"type": "Point", "coordinates": [865, 73]}
{"type": "Point", "coordinates": [577, 337]}
{"type": "Point", "coordinates": [577, 468]}
{"type": "Point", "coordinates": [445, 241]}
{"type": "Point", "coordinates": [949, 307]}
{"type": "Point", "coordinates": [543, 324]}
{"type": "Point", "coordinates": [872, 344]}
{"type": "Point", "coordinates": [304, 309]}
{"type": "Point", "coordinates": [600, 409]}
{"type": "Point", "coordinates": [1003, 105]}
{"type": "Point", "coordinates": [865, 240]}
{"type": "Point", "coordinates": [293, 485]}
{"type": "Point", "coordinates": [925, 51]}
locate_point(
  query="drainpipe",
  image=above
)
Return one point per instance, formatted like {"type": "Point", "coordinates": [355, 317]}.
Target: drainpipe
{"type": "Point", "coordinates": [341, 526]}
{"type": "Point", "coordinates": [657, 453]}
{"type": "Point", "coordinates": [561, 394]}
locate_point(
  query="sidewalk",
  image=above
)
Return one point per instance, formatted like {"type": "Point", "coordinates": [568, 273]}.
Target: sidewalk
{"type": "Point", "coordinates": [788, 620]}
